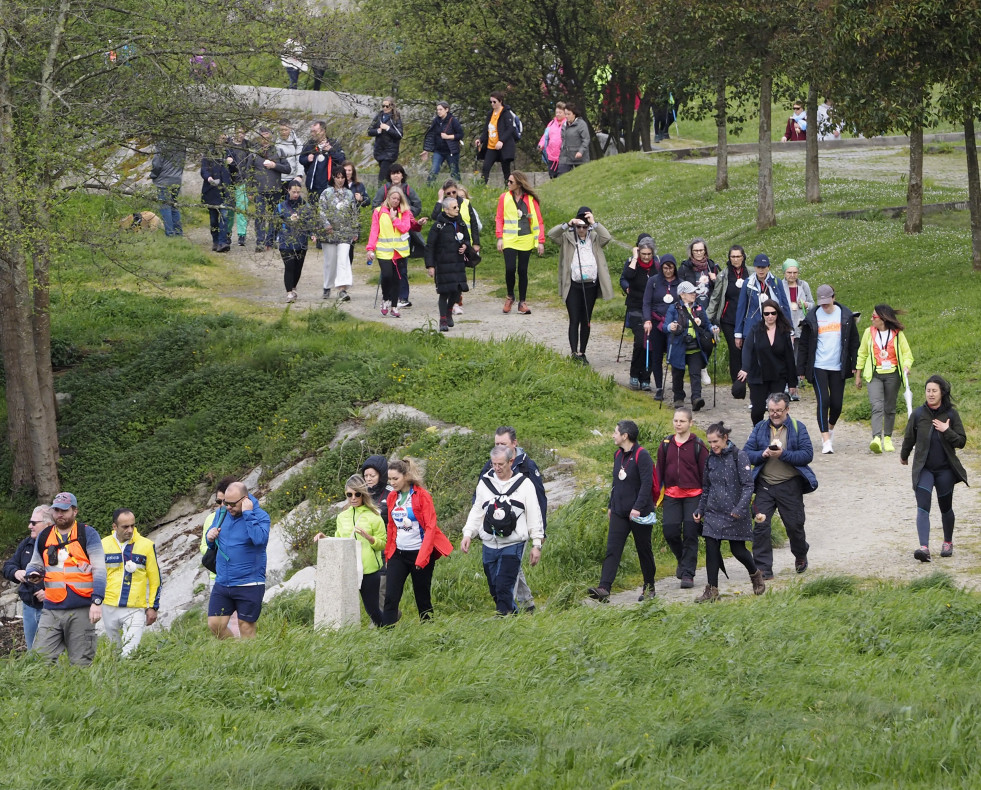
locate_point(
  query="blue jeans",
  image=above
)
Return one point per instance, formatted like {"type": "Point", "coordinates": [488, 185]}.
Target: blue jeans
{"type": "Point", "coordinates": [501, 567]}
{"type": "Point", "coordinates": [453, 164]}
{"type": "Point", "coordinates": [294, 75]}
{"type": "Point", "coordinates": [169, 213]}
{"type": "Point", "coordinates": [221, 220]}
{"type": "Point", "coordinates": [32, 617]}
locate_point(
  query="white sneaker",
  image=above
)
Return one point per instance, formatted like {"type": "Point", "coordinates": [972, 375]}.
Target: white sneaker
{"type": "Point", "coordinates": [706, 379]}
{"type": "Point", "coordinates": [290, 297]}
{"type": "Point", "coordinates": [402, 304]}
{"type": "Point", "coordinates": [457, 310]}
{"type": "Point", "coordinates": [826, 447]}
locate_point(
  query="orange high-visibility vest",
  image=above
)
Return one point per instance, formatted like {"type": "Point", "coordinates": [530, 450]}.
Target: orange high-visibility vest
{"type": "Point", "coordinates": [76, 573]}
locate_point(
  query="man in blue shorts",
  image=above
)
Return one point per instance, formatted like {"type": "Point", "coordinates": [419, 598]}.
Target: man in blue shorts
{"type": "Point", "coordinates": [240, 580]}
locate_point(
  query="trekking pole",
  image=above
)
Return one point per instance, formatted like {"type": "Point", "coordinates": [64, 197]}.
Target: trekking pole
{"type": "Point", "coordinates": [715, 371]}
{"type": "Point", "coordinates": [623, 331]}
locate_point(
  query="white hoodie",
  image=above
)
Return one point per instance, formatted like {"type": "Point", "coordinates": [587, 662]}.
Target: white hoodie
{"type": "Point", "coordinates": [530, 515]}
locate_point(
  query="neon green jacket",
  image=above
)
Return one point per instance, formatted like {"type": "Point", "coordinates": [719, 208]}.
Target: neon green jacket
{"type": "Point", "coordinates": [371, 554]}
{"type": "Point", "coordinates": [866, 359]}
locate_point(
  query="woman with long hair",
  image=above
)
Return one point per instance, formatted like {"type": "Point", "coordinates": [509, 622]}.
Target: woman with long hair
{"type": "Point", "coordinates": [724, 302]}
{"type": "Point", "coordinates": [443, 141]}
{"type": "Point", "coordinates": [660, 293]}
{"type": "Point", "coordinates": [724, 510]}
{"type": "Point", "coordinates": [768, 358]}
{"type": "Point", "coordinates": [519, 226]}
{"type": "Point", "coordinates": [339, 215]}
{"type": "Point", "coordinates": [386, 128]}
{"type": "Point", "coordinates": [389, 242]}
{"type": "Point", "coordinates": [361, 520]}
{"type": "Point", "coordinates": [884, 360]}
{"type": "Point", "coordinates": [360, 193]}
{"type": "Point", "coordinates": [639, 268]}
{"type": "Point", "coordinates": [415, 541]}
{"type": "Point", "coordinates": [935, 431]}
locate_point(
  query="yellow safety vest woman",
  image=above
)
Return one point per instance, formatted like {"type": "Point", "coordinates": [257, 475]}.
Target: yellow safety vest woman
{"type": "Point", "coordinates": [519, 226]}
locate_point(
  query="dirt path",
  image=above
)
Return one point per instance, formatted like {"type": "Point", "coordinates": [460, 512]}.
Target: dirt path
{"type": "Point", "coordinates": [860, 521]}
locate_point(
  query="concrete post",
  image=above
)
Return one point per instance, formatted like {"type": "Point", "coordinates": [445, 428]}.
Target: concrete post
{"type": "Point", "coordinates": [337, 601]}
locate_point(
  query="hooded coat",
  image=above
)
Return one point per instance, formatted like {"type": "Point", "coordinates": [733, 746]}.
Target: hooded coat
{"type": "Point", "coordinates": [442, 254]}
{"type": "Point", "coordinates": [727, 488]}
{"type": "Point", "coordinates": [654, 307]}
{"type": "Point", "coordinates": [379, 493]}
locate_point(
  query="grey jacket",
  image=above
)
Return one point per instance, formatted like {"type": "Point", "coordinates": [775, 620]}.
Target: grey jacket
{"type": "Point", "coordinates": [167, 168]}
{"type": "Point", "coordinates": [575, 138]}
{"type": "Point", "coordinates": [267, 179]}
{"type": "Point", "coordinates": [290, 149]}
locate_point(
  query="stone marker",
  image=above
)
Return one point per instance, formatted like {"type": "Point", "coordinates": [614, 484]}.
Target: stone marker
{"type": "Point", "coordinates": [337, 601]}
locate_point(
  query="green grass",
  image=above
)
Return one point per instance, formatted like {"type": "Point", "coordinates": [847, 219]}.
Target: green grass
{"type": "Point", "coordinates": [872, 689]}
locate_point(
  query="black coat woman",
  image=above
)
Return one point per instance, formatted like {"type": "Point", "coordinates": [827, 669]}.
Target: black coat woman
{"type": "Point", "coordinates": [768, 358]}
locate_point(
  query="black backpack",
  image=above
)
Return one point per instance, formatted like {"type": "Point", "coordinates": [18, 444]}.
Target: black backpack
{"type": "Point", "coordinates": [501, 514]}
{"type": "Point", "coordinates": [210, 557]}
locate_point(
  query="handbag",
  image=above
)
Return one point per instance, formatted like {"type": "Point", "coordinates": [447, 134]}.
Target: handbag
{"type": "Point", "coordinates": [210, 558]}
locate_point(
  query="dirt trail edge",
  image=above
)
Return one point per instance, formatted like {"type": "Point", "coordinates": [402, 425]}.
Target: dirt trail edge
{"type": "Point", "coordinates": [860, 521]}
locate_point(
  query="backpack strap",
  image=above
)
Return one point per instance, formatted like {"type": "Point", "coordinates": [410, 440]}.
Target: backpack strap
{"type": "Point", "coordinates": [514, 488]}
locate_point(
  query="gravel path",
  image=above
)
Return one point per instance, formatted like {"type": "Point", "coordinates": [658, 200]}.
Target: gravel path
{"type": "Point", "coordinates": [860, 521]}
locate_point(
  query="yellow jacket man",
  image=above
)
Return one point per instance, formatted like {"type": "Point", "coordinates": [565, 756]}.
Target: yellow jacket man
{"type": "Point", "coordinates": [132, 583]}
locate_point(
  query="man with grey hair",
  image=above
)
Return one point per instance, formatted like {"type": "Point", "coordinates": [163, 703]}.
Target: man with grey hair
{"type": "Point", "coordinates": [15, 570]}
{"type": "Point", "coordinates": [240, 579]}
{"type": "Point", "coordinates": [780, 450]}
{"type": "Point", "coordinates": [505, 514]}
{"type": "Point", "coordinates": [448, 253]}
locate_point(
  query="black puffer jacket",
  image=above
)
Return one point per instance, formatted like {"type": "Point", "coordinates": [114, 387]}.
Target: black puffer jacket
{"type": "Point", "coordinates": [379, 493]}
{"type": "Point", "coordinates": [727, 488]}
{"type": "Point", "coordinates": [387, 142]}
{"type": "Point", "coordinates": [215, 167]}
{"type": "Point", "coordinates": [442, 253]}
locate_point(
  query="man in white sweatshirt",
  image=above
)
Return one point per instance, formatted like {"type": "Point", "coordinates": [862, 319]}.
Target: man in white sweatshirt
{"type": "Point", "coordinates": [505, 515]}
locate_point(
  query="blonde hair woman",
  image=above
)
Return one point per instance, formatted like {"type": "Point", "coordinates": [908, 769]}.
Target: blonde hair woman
{"type": "Point", "coordinates": [389, 242]}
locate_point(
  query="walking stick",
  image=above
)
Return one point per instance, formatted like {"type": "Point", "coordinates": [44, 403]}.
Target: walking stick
{"type": "Point", "coordinates": [715, 371]}
{"type": "Point", "coordinates": [623, 331]}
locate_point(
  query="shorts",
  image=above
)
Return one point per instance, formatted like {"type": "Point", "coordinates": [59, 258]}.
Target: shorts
{"type": "Point", "coordinates": [247, 601]}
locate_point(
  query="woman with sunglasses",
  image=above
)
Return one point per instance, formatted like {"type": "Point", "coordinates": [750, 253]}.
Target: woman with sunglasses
{"type": "Point", "coordinates": [884, 360]}
{"type": "Point", "coordinates": [519, 226]}
{"type": "Point", "coordinates": [386, 128]}
{"type": "Point", "coordinates": [768, 362]}
{"type": "Point", "coordinates": [360, 520]}
{"type": "Point", "coordinates": [389, 242]}
{"type": "Point", "coordinates": [414, 543]}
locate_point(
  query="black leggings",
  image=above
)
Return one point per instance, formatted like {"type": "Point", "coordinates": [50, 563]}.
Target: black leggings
{"type": "Point", "coordinates": [490, 159]}
{"type": "Point", "coordinates": [758, 393]}
{"type": "Point", "coordinates": [370, 587]}
{"type": "Point", "coordinates": [943, 480]}
{"type": "Point", "coordinates": [516, 260]}
{"type": "Point", "coordinates": [389, 280]}
{"type": "Point", "coordinates": [659, 347]}
{"type": "Point", "coordinates": [579, 303]}
{"type": "Point", "coordinates": [829, 389]}
{"type": "Point", "coordinates": [401, 566]}
{"type": "Point", "coordinates": [713, 557]}
{"type": "Point", "coordinates": [292, 267]}
{"type": "Point", "coordinates": [446, 302]}
{"type": "Point", "coordinates": [735, 354]}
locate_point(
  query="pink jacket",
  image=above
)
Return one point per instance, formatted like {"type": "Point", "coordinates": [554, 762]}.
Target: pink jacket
{"type": "Point", "coordinates": [554, 134]}
{"type": "Point", "coordinates": [403, 223]}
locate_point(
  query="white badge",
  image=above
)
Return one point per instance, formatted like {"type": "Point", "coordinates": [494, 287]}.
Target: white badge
{"type": "Point", "coordinates": [739, 282]}
{"type": "Point", "coordinates": [320, 157]}
{"type": "Point", "coordinates": [668, 298]}
{"type": "Point", "coordinates": [622, 475]}
{"type": "Point", "coordinates": [404, 236]}
{"type": "Point", "coordinates": [793, 305]}
{"type": "Point", "coordinates": [703, 279]}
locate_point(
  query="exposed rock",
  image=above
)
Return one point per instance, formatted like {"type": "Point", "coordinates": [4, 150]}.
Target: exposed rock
{"type": "Point", "coordinates": [282, 477]}
{"type": "Point", "coordinates": [301, 580]}
{"type": "Point", "coordinates": [251, 480]}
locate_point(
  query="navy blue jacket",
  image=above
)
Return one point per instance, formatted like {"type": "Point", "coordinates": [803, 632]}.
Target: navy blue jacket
{"type": "Point", "coordinates": [315, 172]}
{"type": "Point", "coordinates": [19, 562]}
{"type": "Point", "coordinates": [216, 194]}
{"type": "Point", "coordinates": [798, 452]}
{"type": "Point", "coordinates": [677, 340]}
{"type": "Point", "coordinates": [438, 126]}
{"type": "Point", "coordinates": [748, 312]}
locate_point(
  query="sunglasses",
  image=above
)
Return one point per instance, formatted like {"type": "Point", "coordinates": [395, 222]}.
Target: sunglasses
{"type": "Point", "coordinates": [230, 503]}
{"type": "Point", "coordinates": [352, 494]}
{"type": "Point", "coordinates": [35, 523]}
{"type": "Point", "coordinates": [769, 312]}
{"type": "Point", "coordinates": [385, 106]}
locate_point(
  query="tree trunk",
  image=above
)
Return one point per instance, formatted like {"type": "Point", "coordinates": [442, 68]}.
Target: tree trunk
{"type": "Point", "coordinates": [766, 216]}
{"type": "Point", "coordinates": [642, 124]}
{"type": "Point", "coordinates": [812, 176]}
{"type": "Point", "coordinates": [722, 146]}
{"type": "Point", "coordinates": [973, 186]}
{"type": "Point", "coordinates": [914, 192]}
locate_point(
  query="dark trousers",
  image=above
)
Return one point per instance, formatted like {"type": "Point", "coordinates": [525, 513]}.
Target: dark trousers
{"type": "Point", "coordinates": [829, 391]}
{"type": "Point", "coordinates": [713, 557]}
{"type": "Point", "coordinates": [758, 393]}
{"type": "Point", "coordinates": [516, 261]}
{"type": "Point", "coordinates": [294, 76]}
{"type": "Point", "coordinates": [638, 357]}
{"type": "Point", "coordinates": [735, 354]}
{"type": "Point", "coordinates": [446, 302]}
{"type": "Point", "coordinates": [383, 166]}
{"type": "Point", "coordinates": [659, 347]}
{"type": "Point", "coordinates": [695, 364]}
{"type": "Point", "coordinates": [401, 566]}
{"type": "Point", "coordinates": [490, 159]}
{"type": "Point", "coordinates": [788, 499]}
{"type": "Point", "coordinates": [265, 218]}
{"type": "Point", "coordinates": [221, 219]}
{"type": "Point", "coordinates": [561, 170]}
{"type": "Point", "coordinates": [292, 267]}
{"type": "Point", "coordinates": [681, 531]}
{"type": "Point", "coordinates": [403, 275]}
{"type": "Point", "coordinates": [389, 280]}
{"type": "Point", "coordinates": [944, 481]}
{"type": "Point", "coordinates": [616, 539]}
{"type": "Point", "coordinates": [501, 567]}
{"type": "Point", "coordinates": [370, 586]}
{"type": "Point", "coordinates": [580, 303]}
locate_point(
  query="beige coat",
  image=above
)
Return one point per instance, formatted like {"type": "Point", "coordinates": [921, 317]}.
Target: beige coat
{"type": "Point", "coordinates": [564, 236]}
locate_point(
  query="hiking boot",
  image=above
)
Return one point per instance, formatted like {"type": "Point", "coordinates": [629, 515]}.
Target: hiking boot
{"type": "Point", "coordinates": [875, 445]}
{"type": "Point", "coordinates": [687, 582]}
{"type": "Point", "coordinates": [922, 554]}
{"type": "Point", "coordinates": [759, 586]}
{"type": "Point", "coordinates": [327, 293]}
{"type": "Point", "coordinates": [599, 593]}
{"type": "Point", "coordinates": [659, 394]}
{"type": "Point", "coordinates": [524, 309]}
{"type": "Point", "coordinates": [697, 404]}
{"type": "Point", "coordinates": [634, 384]}
{"type": "Point", "coordinates": [647, 593]}
{"type": "Point", "coordinates": [947, 550]}
{"type": "Point", "coordinates": [800, 565]}
{"type": "Point", "coordinates": [214, 247]}
{"type": "Point", "coordinates": [677, 572]}
{"type": "Point", "coordinates": [678, 404]}
{"type": "Point", "coordinates": [710, 593]}
{"type": "Point", "coordinates": [768, 575]}
{"type": "Point", "coordinates": [449, 321]}
{"type": "Point", "coordinates": [887, 445]}
{"type": "Point", "coordinates": [645, 386]}
{"type": "Point", "coordinates": [508, 304]}
{"type": "Point", "coordinates": [443, 326]}
{"type": "Point", "coordinates": [224, 248]}
{"type": "Point", "coordinates": [343, 296]}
